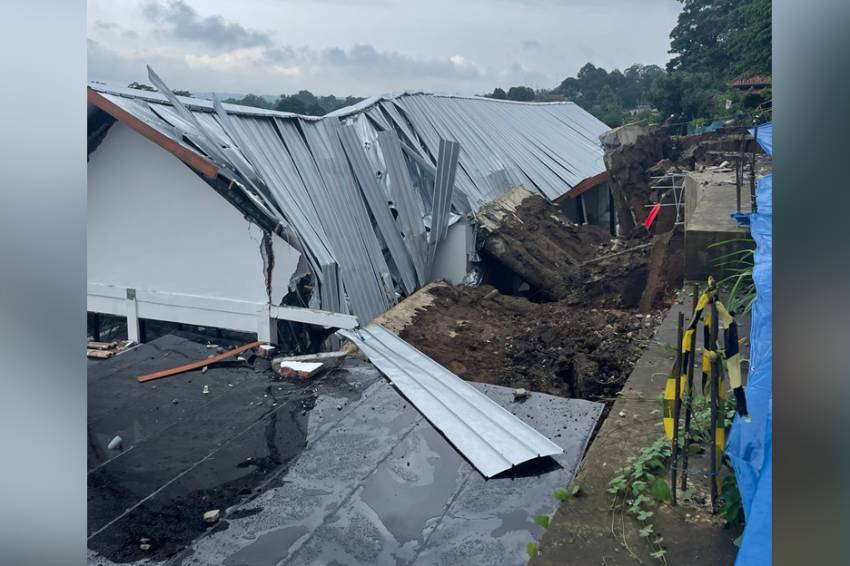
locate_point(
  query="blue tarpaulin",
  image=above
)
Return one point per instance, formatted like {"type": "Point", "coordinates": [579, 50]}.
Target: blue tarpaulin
{"type": "Point", "coordinates": [750, 442]}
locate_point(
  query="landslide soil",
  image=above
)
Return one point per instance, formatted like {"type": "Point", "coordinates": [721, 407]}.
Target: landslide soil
{"type": "Point", "coordinates": [555, 347]}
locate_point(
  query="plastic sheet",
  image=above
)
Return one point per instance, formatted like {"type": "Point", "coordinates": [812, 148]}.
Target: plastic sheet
{"type": "Point", "coordinates": [750, 443]}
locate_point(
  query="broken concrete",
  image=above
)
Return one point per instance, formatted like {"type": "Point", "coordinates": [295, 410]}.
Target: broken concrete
{"type": "Point", "coordinates": [630, 152]}
{"type": "Point", "coordinates": [711, 199]}
{"type": "Point", "coordinates": [528, 241]}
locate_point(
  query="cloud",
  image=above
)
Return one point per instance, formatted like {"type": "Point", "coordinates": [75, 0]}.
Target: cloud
{"type": "Point", "coordinates": [240, 59]}
{"type": "Point", "coordinates": [183, 22]}
{"type": "Point", "coordinates": [530, 44]}
{"type": "Point", "coordinates": [102, 25]}
{"type": "Point", "coordinates": [367, 59]}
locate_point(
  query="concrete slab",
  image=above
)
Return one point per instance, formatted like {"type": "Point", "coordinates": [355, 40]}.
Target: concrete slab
{"type": "Point", "coordinates": [710, 199]}
{"type": "Point", "coordinates": [338, 470]}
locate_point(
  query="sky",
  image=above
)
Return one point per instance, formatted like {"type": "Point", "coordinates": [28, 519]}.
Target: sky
{"type": "Point", "coordinates": [368, 47]}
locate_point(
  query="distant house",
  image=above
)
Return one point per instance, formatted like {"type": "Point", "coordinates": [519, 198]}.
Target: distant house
{"type": "Point", "coordinates": [222, 216]}
{"type": "Point", "coordinates": [751, 84]}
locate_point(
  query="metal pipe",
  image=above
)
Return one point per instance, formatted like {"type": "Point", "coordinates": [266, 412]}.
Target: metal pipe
{"type": "Point", "coordinates": [677, 405]}
{"type": "Point", "coordinates": [715, 402]}
{"type": "Point", "coordinates": [689, 393]}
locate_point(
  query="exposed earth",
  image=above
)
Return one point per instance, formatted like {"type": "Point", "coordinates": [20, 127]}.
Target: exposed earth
{"type": "Point", "coordinates": [585, 310]}
{"type": "Point", "coordinates": [554, 348]}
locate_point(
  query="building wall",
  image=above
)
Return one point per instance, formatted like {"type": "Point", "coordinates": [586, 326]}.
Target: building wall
{"type": "Point", "coordinates": [451, 258]}
{"type": "Point", "coordinates": [153, 224]}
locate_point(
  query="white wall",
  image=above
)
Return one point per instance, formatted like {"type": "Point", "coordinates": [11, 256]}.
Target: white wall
{"type": "Point", "coordinates": [451, 261]}
{"type": "Point", "coordinates": [153, 224]}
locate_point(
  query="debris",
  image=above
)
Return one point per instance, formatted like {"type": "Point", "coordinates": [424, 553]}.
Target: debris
{"type": "Point", "coordinates": [144, 546]}
{"type": "Point", "coordinates": [471, 421]}
{"type": "Point", "coordinates": [622, 413]}
{"type": "Point", "coordinates": [196, 365]}
{"type": "Point", "coordinates": [520, 393]}
{"type": "Point", "coordinates": [556, 348]}
{"type": "Point", "coordinates": [204, 370]}
{"type": "Point", "coordinates": [304, 370]}
{"type": "Point", "coordinates": [206, 390]}
{"type": "Point", "coordinates": [630, 151]}
{"type": "Point", "coordinates": [99, 354]}
{"type": "Point", "coordinates": [265, 351]}
{"type": "Point", "coordinates": [116, 443]}
{"type": "Point", "coordinates": [212, 516]}
{"type": "Point", "coordinates": [104, 350]}
{"type": "Point", "coordinates": [307, 366]}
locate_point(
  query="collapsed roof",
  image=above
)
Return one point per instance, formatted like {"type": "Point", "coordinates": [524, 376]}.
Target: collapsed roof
{"type": "Point", "coordinates": [365, 193]}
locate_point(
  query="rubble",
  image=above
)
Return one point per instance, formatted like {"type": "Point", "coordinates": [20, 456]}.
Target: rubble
{"type": "Point", "coordinates": [525, 239]}
{"type": "Point", "coordinates": [631, 152]}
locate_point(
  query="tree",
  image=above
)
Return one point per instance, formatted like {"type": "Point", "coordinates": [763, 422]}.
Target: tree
{"type": "Point", "coordinates": [722, 37]}
{"type": "Point", "coordinates": [251, 100]}
{"type": "Point", "coordinates": [751, 41]}
{"type": "Point", "coordinates": [498, 93]}
{"type": "Point", "coordinates": [182, 93]}
{"type": "Point", "coordinates": [685, 96]}
{"type": "Point", "coordinates": [608, 107]}
{"type": "Point", "coordinates": [699, 40]}
{"type": "Point", "coordinates": [521, 93]}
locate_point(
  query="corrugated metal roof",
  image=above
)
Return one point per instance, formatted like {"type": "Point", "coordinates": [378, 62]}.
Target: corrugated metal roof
{"type": "Point", "coordinates": [490, 437]}
{"type": "Point", "coordinates": [343, 193]}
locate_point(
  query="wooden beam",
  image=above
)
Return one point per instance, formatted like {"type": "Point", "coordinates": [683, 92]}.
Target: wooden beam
{"type": "Point", "coordinates": [187, 156]}
{"type": "Point", "coordinates": [196, 365]}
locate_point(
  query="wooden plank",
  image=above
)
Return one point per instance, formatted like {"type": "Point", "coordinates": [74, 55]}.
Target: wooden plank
{"type": "Point", "coordinates": [100, 354]}
{"type": "Point", "coordinates": [196, 365]}
{"type": "Point", "coordinates": [102, 345]}
{"type": "Point", "coordinates": [185, 155]}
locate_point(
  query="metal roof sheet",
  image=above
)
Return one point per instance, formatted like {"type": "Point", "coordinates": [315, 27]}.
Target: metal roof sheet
{"type": "Point", "coordinates": [490, 437]}
{"type": "Point", "coordinates": [331, 181]}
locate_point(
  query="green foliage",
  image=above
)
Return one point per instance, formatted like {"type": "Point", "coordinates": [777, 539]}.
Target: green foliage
{"type": "Point", "coordinates": [726, 38]}
{"type": "Point", "coordinates": [739, 265]}
{"type": "Point", "coordinates": [732, 508]}
{"type": "Point", "coordinates": [521, 93]}
{"type": "Point", "coordinates": [637, 486]}
{"type": "Point", "coordinates": [685, 95]}
{"type": "Point", "coordinates": [303, 102]}
{"type": "Point", "coordinates": [661, 491]}
{"type": "Point", "coordinates": [542, 520]}
{"type": "Point", "coordinates": [751, 39]}
{"type": "Point", "coordinates": [562, 494]}
{"type": "Point", "coordinates": [499, 94]}
{"type": "Point", "coordinates": [251, 100]}
{"type": "Point", "coordinates": [531, 549]}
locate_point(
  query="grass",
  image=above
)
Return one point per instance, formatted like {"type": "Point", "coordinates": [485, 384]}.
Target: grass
{"type": "Point", "coordinates": [739, 279]}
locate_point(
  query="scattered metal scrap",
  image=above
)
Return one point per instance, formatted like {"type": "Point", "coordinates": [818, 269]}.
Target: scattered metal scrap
{"type": "Point", "coordinates": [490, 437]}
